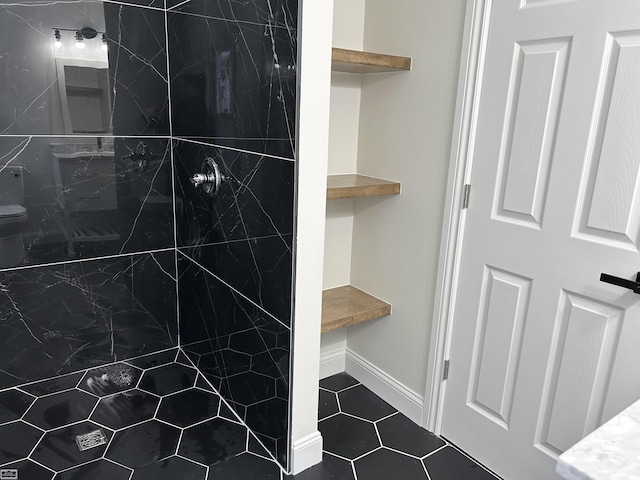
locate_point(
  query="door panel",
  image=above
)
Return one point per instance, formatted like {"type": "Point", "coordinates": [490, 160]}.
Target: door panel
{"type": "Point", "coordinates": [535, 91]}
{"type": "Point", "coordinates": [610, 211]}
{"type": "Point", "coordinates": [495, 361]}
{"type": "Point", "coordinates": [542, 352]}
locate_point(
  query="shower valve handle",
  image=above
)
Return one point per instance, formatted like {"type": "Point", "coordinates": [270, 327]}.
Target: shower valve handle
{"type": "Point", "coordinates": [210, 179]}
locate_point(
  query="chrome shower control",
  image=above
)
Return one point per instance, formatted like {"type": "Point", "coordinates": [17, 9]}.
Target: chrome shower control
{"type": "Point", "coordinates": [210, 179]}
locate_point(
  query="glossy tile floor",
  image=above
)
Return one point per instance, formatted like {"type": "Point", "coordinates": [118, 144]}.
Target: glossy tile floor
{"type": "Point", "coordinates": [156, 418]}
{"type": "Point", "coordinates": [367, 439]}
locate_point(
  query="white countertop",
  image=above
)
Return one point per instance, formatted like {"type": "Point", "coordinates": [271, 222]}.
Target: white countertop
{"type": "Point", "coordinates": [612, 452]}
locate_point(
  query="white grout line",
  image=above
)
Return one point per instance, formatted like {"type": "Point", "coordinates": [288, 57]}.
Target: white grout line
{"type": "Point", "coordinates": [236, 291]}
{"type": "Point", "coordinates": [89, 259]}
{"type": "Point", "coordinates": [233, 149]}
{"type": "Point", "coordinates": [435, 451]}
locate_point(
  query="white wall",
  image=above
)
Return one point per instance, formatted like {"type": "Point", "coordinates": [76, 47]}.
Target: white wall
{"type": "Point", "coordinates": [404, 135]}
{"type": "Point", "coordinates": [313, 134]}
{"type": "Point", "coordinates": [348, 32]}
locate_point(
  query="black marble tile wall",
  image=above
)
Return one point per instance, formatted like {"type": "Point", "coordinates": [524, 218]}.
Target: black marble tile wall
{"type": "Point", "coordinates": [66, 90]}
{"type": "Point", "coordinates": [243, 351]}
{"type": "Point", "coordinates": [87, 224]}
{"type": "Point", "coordinates": [233, 73]}
{"type": "Point", "coordinates": [244, 234]}
{"type": "Point", "coordinates": [61, 318]}
{"type": "Point", "coordinates": [97, 147]}
{"type": "Point", "coordinates": [91, 197]}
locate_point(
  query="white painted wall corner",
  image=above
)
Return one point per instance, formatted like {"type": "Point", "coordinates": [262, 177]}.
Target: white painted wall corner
{"type": "Point", "coordinates": [306, 452]}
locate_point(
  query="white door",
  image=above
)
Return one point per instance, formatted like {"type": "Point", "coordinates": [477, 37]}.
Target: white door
{"type": "Point", "coordinates": [542, 352]}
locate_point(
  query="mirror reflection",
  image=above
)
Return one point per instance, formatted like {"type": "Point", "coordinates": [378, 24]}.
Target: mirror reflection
{"type": "Point", "coordinates": [69, 69]}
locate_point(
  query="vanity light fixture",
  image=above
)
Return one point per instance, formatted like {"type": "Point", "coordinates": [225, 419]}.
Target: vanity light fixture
{"type": "Point", "coordinates": [105, 46]}
{"type": "Point", "coordinates": [58, 39]}
{"type": "Point", "coordinates": [79, 40]}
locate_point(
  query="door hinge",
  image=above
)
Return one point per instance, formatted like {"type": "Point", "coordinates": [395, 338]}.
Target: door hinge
{"type": "Point", "coordinates": [465, 196]}
{"type": "Point", "coordinates": [445, 374]}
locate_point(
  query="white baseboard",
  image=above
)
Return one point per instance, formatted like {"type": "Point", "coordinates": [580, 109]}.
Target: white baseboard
{"type": "Point", "coordinates": [405, 400]}
{"type": "Point", "coordinates": [306, 452]}
{"type": "Point", "coordinates": [332, 363]}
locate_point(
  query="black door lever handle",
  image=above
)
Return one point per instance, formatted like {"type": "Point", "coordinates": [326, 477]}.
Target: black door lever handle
{"type": "Point", "coordinates": [622, 282]}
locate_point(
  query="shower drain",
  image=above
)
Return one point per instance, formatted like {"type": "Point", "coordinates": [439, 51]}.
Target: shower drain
{"type": "Point", "coordinates": [90, 440]}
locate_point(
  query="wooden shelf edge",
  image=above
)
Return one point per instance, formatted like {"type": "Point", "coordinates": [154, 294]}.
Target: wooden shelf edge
{"type": "Point", "coordinates": [354, 185]}
{"type": "Point", "coordinates": [354, 61]}
{"type": "Point", "coordinates": [347, 305]}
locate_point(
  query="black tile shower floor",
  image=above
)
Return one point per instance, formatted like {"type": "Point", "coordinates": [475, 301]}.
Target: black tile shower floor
{"type": "Point", "coordinates": [367, 439]}
{"type": "Point", "coordinates": [135, 429]}
{"type": "Point", "coordinates": [141, 419]}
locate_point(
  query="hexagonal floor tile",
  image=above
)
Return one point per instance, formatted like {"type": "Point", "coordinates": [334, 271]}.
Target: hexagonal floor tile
{"type": "Point", "coordinates": [327, 404]}
{"type": "Point", "coordinates": [154, 359]}
{"type": "Point", "coordinates": [98, 470]}
{"type": "Point", "coordinates": [338, 382]}
{"type": "Point", "coordinates": [13, 404]}
{"type": "Point", "coordinates": [168, 379]}
{"type": "Point", "coordinates": [58, 449]}
{"type": "Point", "coordinates": [400, 433]}
{"type": "Point", "coordinates": [104, 381]}
{"type": "Point", "coordinates": [53, 385]}
{"type": "Point", "coordinates": [171, 469]}
{"type": "Point", "coordinates": [449, 464]}
{"type": "Point", "coordinates": [203, 384]}
{"type": "Point", "coordinates": [245, 467]}
{"type": "Point", "coordinates": [29, 470]}
{"type": "Point", "coordinates": [143, 444]}
{"type": "Point", "coordinates": [274, 363]}
{"type": "Point", "coordinates": [125, 409]}
{"type": "Point", "coordinates": [225, 362]}
{"type": "Point", "coordinates": [213, 441]}
{"type": "Point", "coordinates": [60, 409]}
{"type": "Point", "coordinates": [348, 437]}
{"type": "Point", "coordinates": [331, 467]}
{"type": "Point", "coordinates": [363, 403]}
{"type": "Point", "coordinates": [384, 464]}
{"type": "Point", "coordinates": [188, 407]}
{"type": "Point", "coordinates": [249, 388]}
{"type": "Point", "coordinates": [17, 439]}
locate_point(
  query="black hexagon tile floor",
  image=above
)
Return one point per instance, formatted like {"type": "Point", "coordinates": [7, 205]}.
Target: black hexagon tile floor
{"type": "Point", "coordinates": [156, 418]}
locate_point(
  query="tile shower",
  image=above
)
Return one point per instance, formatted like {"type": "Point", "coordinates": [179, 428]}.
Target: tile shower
{"type": "Point", "coordinates": [127, 294]}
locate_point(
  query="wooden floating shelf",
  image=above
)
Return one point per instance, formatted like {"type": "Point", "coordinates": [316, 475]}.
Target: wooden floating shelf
{"type": "Point", "coordinates": [353, 185]}
{"type": "Point", "coordinates": [354, 61]}
{"type": "Point", "coordinates": [344, 306]}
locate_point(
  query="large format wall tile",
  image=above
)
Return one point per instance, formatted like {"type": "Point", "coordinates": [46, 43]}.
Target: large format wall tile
{"type": "Point", "coordinates": [272, 13]}
{"type": "Point", "coordinates": [88, 198]}
{"type": "Point", "coordinates": [255, 201]}
{"type": "Point", "coordinates": [244, 234]}
{"type": "Point", "coordinates": [45, 90]}
{"type": "Point", "coordinates": [259, 268]}
{"type": "Point", "coordinates": [242, 351]}
{"type": "Point", "coordinates": [234, 82]}
{"type": "Point", "coordinates": [62, 318]}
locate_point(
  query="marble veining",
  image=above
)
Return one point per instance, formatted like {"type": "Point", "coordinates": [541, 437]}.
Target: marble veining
{"type": "Point", "coordinates": [45, 90]}
{"type": "Point", "coordinates": [232, 81]}
{"type": "Point", "coordinates": [608, 453]}
{"type": "Point", "coordinates": [242, 351]}
{"type": "Point", "coordinates": [89, 199]}
{"type": "Point", "coordinates": [103, 140]}
{"type": "Point", "coordinates": [58, 319]}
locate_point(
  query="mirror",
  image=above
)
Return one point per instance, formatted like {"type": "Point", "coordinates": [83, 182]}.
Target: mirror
{"type": "Point", "coordinates": [84, 67]}
{"type": "Point", "coordinates": [85, 98]}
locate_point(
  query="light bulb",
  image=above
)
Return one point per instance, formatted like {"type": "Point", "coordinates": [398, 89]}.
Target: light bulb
{"type": "Point", "coordinates": [57, 44]}
{"type": "Point", "coordinates": [79, 41]}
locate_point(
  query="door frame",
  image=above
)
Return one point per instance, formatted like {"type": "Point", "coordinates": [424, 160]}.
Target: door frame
{"type": "Point", "coordinates": [470, 76]}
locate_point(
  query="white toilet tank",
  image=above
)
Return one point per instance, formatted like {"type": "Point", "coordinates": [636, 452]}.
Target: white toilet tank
{"type": "Point", "coordinates": [11, 185]}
